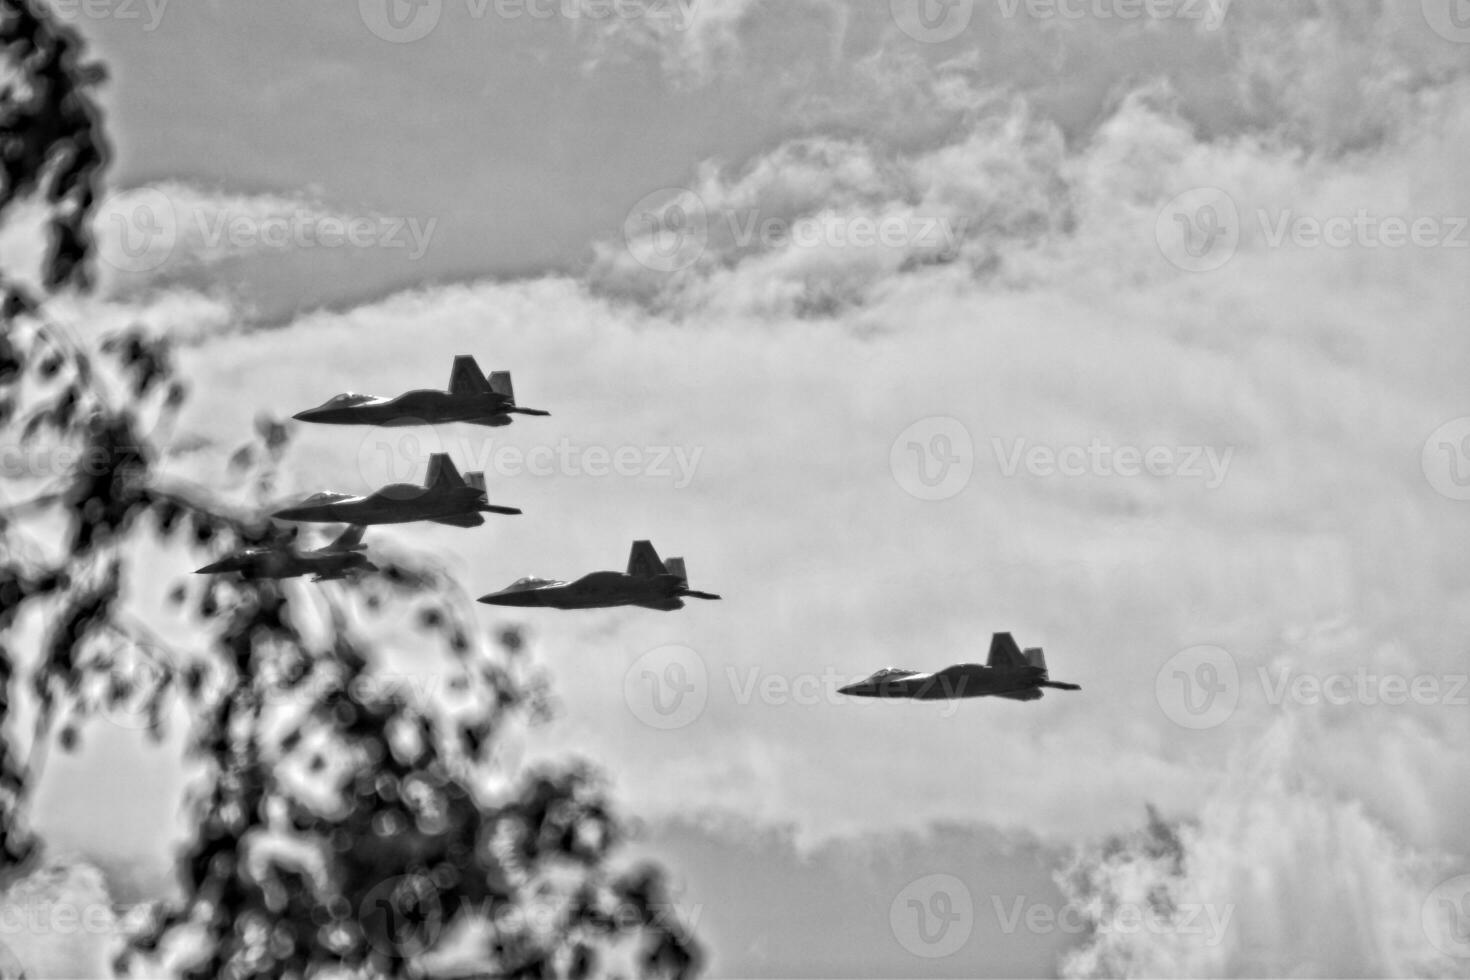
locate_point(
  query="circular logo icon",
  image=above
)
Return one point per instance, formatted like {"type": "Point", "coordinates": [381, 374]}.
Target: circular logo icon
{"type": "Point", "coordinates": [401, 21]}
{"type": "Point", "coordinates": [1446, 917]}
{"type": "Point", "coordinates": [667, 688]}
{"type": "Point", "coordinates": [1198, 688]}
{"type": "Point", "coordinates": [402, 916]}
{"type": "Point", "coordinates": [934, 458]}
{"type": "Point", "coordinates": [1199, 231]}
{"type": "Point", "coordinates": [1450, 19]}
{"type": "Point", "coordinates": [1446, 459]}
{"type": "Point", "coordinates": [667, 230]}
{"type": "Point", "coordinates": [130, 687]}
{"type": "Point", "coordinates": [138, 230]}
{"type": "Point", "coordinates": [933, 917]}
{"type": "Point", "coordinates": [932, 21]}
{"type": "Point", "coordinates": [398, 457]}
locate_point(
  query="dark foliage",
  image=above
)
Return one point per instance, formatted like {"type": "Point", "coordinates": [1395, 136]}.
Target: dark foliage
{"type": "Point", "coordinates": [342, 828]}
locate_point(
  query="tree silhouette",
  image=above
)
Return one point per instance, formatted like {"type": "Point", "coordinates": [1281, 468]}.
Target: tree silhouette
{"type": "Point", "coordinates": [340, 826]}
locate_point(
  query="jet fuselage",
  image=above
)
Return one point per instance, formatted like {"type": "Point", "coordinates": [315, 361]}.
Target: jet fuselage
{"type": "Point", "coordinates": [399, 503]}
{"type": "Point", "coordinates": [424, 406]}
{"type": "Point", "coordinates": [273, 564]}
{"type": "Point", "coordinates": [599, 590]}
{"type": "Point", "coordinates": [960, 681]}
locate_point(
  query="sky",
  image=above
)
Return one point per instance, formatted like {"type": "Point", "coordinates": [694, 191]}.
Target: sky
{"type": "Point", "coordinates": [1135, 329]}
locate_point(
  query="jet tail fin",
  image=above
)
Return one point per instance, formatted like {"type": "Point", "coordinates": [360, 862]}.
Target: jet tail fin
{"type": "Point", "coordinates": [350, 540]}
{"type": "Point", "coordinates": [1004, 652]}
{"type": "Point", "coordinates": [500, 383]}
{"type": "Point", "coordinates": [1035, 658]}
{"type": "Point", "coordinates": [467, 378]}
{"type": "Point", "coordinates": [675, 566]}
{"type": "Point", "coordinates": [443, 474]}
{"type": "Point", "coordinates": [643, 561]}
{"type": "Point", "coordinates": [476, 480]}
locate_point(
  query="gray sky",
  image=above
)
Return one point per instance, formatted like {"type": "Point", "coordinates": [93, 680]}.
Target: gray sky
{"type": "Point", "coordinates": [1142, 337]}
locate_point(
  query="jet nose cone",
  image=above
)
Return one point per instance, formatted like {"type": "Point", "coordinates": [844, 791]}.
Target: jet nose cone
{"type": "Point", "coordinates": [214, 568]}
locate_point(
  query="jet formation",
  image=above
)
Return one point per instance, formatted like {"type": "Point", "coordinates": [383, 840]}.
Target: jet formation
{"type": "Point", "coordinates": [648, 582]}
{"type": "Point", "coordinates": [1008, 673]}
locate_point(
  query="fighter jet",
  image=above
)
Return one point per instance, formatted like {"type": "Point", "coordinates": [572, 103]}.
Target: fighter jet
{"type": "Point", "coordinates": [1007, 674]}
{"type": "Point", "coordinates": [447, 498]}
{"type": "Point", "coordinates": [336, 561]}
{"type": "Point", "coordinates": [648, 582]}
{"type": "Point", "coordinates": [471, 398]}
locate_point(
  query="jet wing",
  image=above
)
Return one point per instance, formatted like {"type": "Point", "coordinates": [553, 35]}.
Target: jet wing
{"type": "Point", "coordinates": [460, 520]}
{"type": "Point", "coordinates": [1004, 652]}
